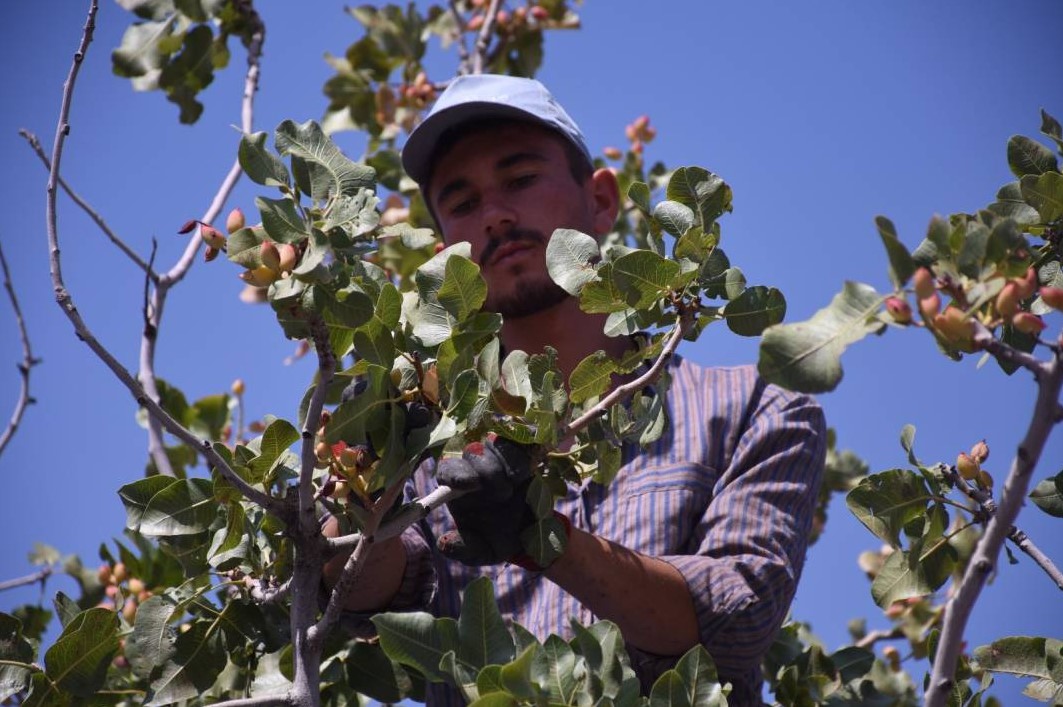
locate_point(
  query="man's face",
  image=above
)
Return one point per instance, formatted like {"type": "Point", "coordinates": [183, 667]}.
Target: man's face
{"type": "Point", "coordinates": [505, 190]}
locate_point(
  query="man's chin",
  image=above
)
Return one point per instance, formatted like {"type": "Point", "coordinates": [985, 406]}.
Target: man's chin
{"type": "Point", "coordinates": [527, 301]}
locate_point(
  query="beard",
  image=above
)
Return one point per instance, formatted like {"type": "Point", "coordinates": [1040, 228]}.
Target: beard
{"type": "Point", "coordinates": [537, 293]}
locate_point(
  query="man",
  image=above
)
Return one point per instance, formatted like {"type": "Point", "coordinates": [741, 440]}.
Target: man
{"type": "Point", "coordinates": [701, 537]}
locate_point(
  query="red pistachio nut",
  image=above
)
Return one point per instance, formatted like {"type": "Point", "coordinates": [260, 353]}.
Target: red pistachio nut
{"type": "Point", "coordinates": [269, 255]}
{"type": "Point", "coordinates": [980, 452]}
{"type": "Point", "coordinates": [235, 221]}
{"type": "Point", "coordinates": [929, 307]}
{"type": "Point", "coordinates": [1008, 300]}
{"type": "Point", "coordinates": [967, 466]}
{"type": "Point", "coordinates": [1027, 284]}
{"type": "Point", "coordinates": [923, 281]}
{"type": "Point", "coordinates": [899, 309]}
{"type": "Point", "coordinates": [212, 236]}
{"type": "Point", "coordinates": [1053, 297]}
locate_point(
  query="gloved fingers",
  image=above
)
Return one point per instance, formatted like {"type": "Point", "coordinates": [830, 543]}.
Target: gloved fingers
{"type": "Point", "coordinates": [515, 458]}
{"type": "Point", "coordinates": [457, 473]}
{"type": "Point", "coordinates": [468, 547]}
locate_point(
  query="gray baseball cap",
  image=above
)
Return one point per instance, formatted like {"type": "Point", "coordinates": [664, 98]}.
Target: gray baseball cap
{"type": "Point", "coordinates": [486, 96]}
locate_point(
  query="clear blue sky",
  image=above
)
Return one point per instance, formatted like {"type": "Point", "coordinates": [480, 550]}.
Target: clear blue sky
{"type": "Point", "coordinates": [820, 115]}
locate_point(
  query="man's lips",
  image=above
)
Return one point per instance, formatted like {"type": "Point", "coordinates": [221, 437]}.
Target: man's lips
{"type": "Point", "coordinates": [507, 249]}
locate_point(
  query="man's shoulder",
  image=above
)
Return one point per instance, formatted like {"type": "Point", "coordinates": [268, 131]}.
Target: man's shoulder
{"type": "Point", "coordinates": [732, 386]}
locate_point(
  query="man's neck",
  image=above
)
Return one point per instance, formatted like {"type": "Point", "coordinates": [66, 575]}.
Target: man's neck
{"type": "Point", "coordinates": [571, 331]}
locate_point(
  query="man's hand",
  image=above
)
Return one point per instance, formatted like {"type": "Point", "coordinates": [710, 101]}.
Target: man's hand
{"type": "Point", "coordinates": [494, 512]}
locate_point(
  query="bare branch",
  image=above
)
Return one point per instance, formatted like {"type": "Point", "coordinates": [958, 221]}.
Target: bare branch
{"type": "Point", "coordinates": [38, 576]}
{"type": "Point", "coordinates": [622, 392]}
{"type": "Point", "coordinates": [24, 367]}
{"type": "Point", "coordinates": [876, 636]}
{"type": "Point", "coordinates": [465, 65]}
{"type": "Point", "coordinates": [326, 368]}
{"type": "Point", "coordinates": [483, 40]}
{"type": "Point", "coordinates": [264, 701]}
{"type": "Point", "coordinates": [65, 301]}
{"type": "Point", "coordinates": [35, 144]}
{"type": "Point", "coordinates": [412, 513]}
{"type": "Point", "coordinates": [1049, 377]}
{"type": "Point", "coordinates": [989, 508]}
{"type": "Point", "coordinates": [1003, 352]}
{"type": "Point", "coordinates": [354, 564]}
{"type": "Point", "coordinates": [156, 445]}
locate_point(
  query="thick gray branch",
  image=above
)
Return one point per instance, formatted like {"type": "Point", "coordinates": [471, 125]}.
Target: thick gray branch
{"type": "Point", "coordinates": [65, 301]}
{"type": "Point", "coordinates": [1049, 375]}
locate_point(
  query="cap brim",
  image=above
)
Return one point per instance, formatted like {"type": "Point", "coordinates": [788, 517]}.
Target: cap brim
{"type": "Point", "coordinates": [419, 149]}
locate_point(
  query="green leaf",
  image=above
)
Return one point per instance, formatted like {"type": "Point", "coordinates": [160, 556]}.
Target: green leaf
{"type": "Point", "coordinates": [639, 193]}
{"type": "Point", "coordinates": [15, 648]}
{"type": "Point", "coordinates": [544, 540]}
{"type": "Point", "coordinates": [482, 634]}
{"type": "Point", "coordinates": [570, 259]}
{"type": "Point", "coordinates": [904, 575]}
{"type": "Point", "coordinates": [463, 290]}
{"type": "Point", "coordinates": [516, 677]}
{"type": "Point", "coordinates": [1044, 193]}
{"type": "Point", "coordinates": [371, 673]}
{"type": "Point", "coordinates": [355, 214]}
{"type": "Point", "coordinates": [1048, 495]}
{"type": "Point", "coordinates": [417, 640]}
{"type": "Point", "coordinates": [495, 699]}
{"type": "Point", "coordinates": [973, 253]}
{"type": "Point", "coordinates": [1026, 156]}
{"type": "Point", "coordinates": [1051, 128]}
{"type": "Point", "coordinates": [675, 218]}
{"type": "Point", "coordinates": [79, 659]}
{"type": "Point", "coordinates": [176, 507]}
{"type": "Point", "coordinates": [281, 220]}
{"type": "Point", "coordinates": [331, 173]}
{"type": "Point", "coordinates": [852, 662]}
{"type": "Point", "coordinates": [702, 191]}
{"type": "Point", "coordinates": [152, 642]}
{"type": "Point", "coordinates": [554, 670]}
{"type": "Point", "coordinates": [806, 356]}
{"type": "Point", "coordinates": [887, 501]}
{"type": "Point", "coordinates": [430, 276]}
{"type": "Point", "coordinates": [643, 276]}
{"type": "Point", "coordinates": [755, 310]}
{"type": "Point", "coordinates": [139, 54]}
{"type": "Point", "coordinates": [197, 660]}
{"type": "Point", "coordinates": [591, 377]}
{"type": "Point", "coordinates": [901, 264]}
{"type": "Point", "coordinates": [276, 440]}
{"type": "Point", "coordinates": [259, 164]}
{"type": "Point", "coordinates": [243, 247]}
{"type": "Point", "coordinates": [374, 343]}
{"type": "Point", "coordinates": [65, 608]}
{"type": "Point", "coordinates": [1011, 204]}
{"type": "Point", "coordinates": [1025, 656]}
{"type": "Point", "coordinates": [692, 683]}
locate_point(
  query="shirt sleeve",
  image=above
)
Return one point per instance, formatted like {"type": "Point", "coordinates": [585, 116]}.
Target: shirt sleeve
{"type": "Point", "coordinates": [749, 547]}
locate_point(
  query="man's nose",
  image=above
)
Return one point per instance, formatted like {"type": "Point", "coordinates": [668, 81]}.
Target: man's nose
{"type": "Point", "coordinates": [498, 217]}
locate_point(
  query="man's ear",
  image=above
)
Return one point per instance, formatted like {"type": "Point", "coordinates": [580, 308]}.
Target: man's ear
{"type": "Point", "coordinates": [606, 194]}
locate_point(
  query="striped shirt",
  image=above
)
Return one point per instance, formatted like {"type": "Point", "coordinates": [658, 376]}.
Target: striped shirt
{"type": "Point", "coordinates": [726, 496]}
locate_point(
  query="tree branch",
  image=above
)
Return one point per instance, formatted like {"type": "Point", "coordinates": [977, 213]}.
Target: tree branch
{"type": "Point", "coordinates": [27, 363]}
{"type": "Point", "coordinates": [264, 701]}
{"type": "Point", "coordinates": [326, 368]}
{"type": "Point", "coordinates": [412, 513]}
{"type": "Point", "coordinates": [465, 63]}
{"type": "Point", "coordinates": [355, 562]}
{"type": "Point", "coordinates": [1003, 352]}
{"type": "Point", "coordinates": [38, 576]}
{"type": "Point", "coordinates": [35, 144]}
{"type": "Point", "coordinates": [989, 508]}
{"type": "Point", "coordinates": [876, 636]}
{"type": "Point", "coordinates": [483, 40]}
{"type": "Point", "coordinates": [622, 392]}
{"type": "Point", "coordinates": [65, 301]}
{"type": "Point", "coordinates": [1049, 377]}
{"type": "Point", "coordinates": [156, 445]}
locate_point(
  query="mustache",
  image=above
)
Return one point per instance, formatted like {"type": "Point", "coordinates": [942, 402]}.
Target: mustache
{"type": "Point", "coordinates": [512, 235]}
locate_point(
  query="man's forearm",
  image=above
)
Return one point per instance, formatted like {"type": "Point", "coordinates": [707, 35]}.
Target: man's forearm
{"type": "Point", "coordinates": [646, 597]}
{"type": "Point", "coordinates": [378, 581]}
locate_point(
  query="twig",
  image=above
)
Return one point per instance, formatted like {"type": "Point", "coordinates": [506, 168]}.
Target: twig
{"type": "Point", "coordinates": [270, 595]}
{"type": "Point", "coordinates": [65, 301]}
{"type": "Point", "coordinates": [989, 508]}
{"type": "Point", "coordinates": [465, 65]}
{"type": "Point", "coordinates": [1049, 375]}
{"type": "Point", "coordinates": [409, 515]}
{"type": "Point", "coordinates": [484, 38]}
{"type": "Point", "coordinates": [35, 144]}
{"type": "Point", "coordinates": [876, 636]}
{"type": "Point", "coordinates": [27, 363]}
{"type": "Point", "coordinates": [38, 576]}
{"type": "Point", "coordinates": [326, 367]}
{"type": "Point", "coordinates": [353, 567]}
{"type": "Point", "coordinates": [264, 701]}
{"type": "Point", "coordinates": [156, 445]}
{"type": "Point", "coordinates": [683, 324]}
{"type": "Point", "coordinates": [1003, 352]}
{"type": "Point", "coordinates": [148, 328]}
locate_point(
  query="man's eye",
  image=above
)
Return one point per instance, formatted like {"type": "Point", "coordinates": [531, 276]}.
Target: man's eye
{"type": "Point", "coordinates": [522, 181]}
{"type": "Point", "coordinates": [462, 207]}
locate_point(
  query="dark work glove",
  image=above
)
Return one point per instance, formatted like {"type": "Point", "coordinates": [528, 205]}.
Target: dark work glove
{"type": "Point", "coordinates": [491, 517]}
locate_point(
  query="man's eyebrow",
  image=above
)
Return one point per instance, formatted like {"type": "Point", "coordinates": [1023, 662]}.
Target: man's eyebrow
{"type": "Point", "coordinates": [516, 158]}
